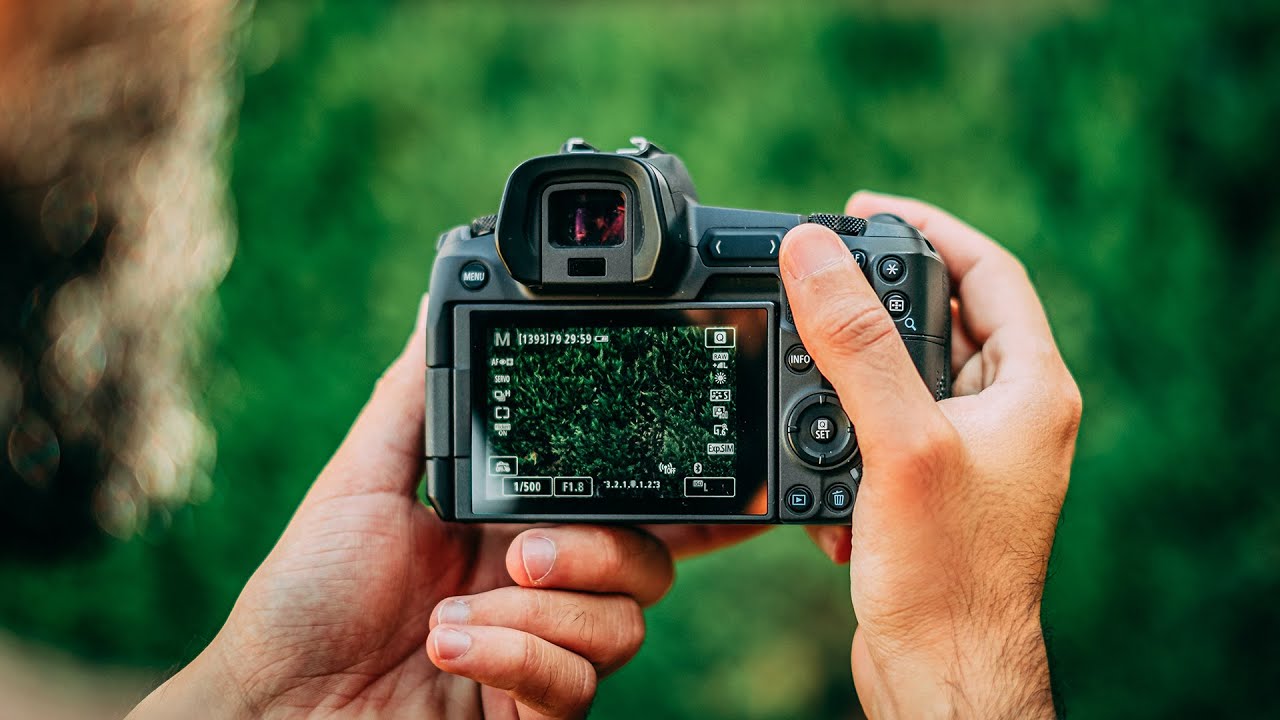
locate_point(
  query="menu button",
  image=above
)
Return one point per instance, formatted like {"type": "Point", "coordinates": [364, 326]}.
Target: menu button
{"type": "Point", "coordinates": [474, 275]}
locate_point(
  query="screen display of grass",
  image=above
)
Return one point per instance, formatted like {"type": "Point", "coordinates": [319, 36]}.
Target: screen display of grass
{"type": "Point", "coordinates": [621, 411]}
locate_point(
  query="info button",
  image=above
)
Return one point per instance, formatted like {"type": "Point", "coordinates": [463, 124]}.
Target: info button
{"type": "Point", "coordinates": [798, 359]}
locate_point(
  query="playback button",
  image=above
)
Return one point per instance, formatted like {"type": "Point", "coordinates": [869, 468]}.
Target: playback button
{"type": "Point", "coordinates": [799, 500]}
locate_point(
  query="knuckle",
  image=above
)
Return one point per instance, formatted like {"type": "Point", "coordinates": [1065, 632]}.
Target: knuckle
{"type": "Point", "coordinates": [533, 659]}
{"type": "Point", "coordinates": [572, 617]}
{"type": "Point", "coordinates": [611, 559]}
{"type": "Point", "coordinates": [931, 450]}
{"type": "Point", "coordinates": [581, 691]}
{"type": "Point", "coordinates": [855, 325]}
{"type": "Point", "coordinates": [632, 630]}
{"type": "Point", "coordinates": [542, 605]}
{"type": "Point", "coordinates": [563, 689]}
{"type": "Point", "coordinates": [1008, 262]}
{"type": "Point", "coordinates": [1071, 404]}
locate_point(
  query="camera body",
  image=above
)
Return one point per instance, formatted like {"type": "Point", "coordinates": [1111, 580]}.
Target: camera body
{"type": "Point", "coordinates": [606, 349]}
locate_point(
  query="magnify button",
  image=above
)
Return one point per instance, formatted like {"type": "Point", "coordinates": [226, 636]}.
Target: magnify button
{"type": "Point", "coordinates": [910, 324]}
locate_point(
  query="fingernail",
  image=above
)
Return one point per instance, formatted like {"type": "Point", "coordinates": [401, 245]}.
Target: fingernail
{"type": "Point", "coordinates": [809, 249]}
{"type": "Point", "coordinates": [452, 644]}
{"type": "Point", "coordinates": [455, 612]}
{"type": "Point", "coordinates": [539, 555]}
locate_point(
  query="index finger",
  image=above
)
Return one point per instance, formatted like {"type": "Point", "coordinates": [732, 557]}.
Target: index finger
{"type": "Point", "coordinates": [996, 296]}
{"type": "Point", "coordinates": [383, 450]}
{"type": "Point", "coordinates": [688, 540]}
{"type": "Point", "coordinates": [592, 558]}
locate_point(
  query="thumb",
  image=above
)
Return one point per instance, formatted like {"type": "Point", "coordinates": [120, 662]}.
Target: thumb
{"type": "Point", "coordinates": [383, 451]}
{"type": "Point", "coordinates": [853, 340]}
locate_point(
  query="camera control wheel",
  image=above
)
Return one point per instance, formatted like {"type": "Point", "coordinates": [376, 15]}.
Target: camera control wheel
{"type": "Point", "coordinates": [819, 433]}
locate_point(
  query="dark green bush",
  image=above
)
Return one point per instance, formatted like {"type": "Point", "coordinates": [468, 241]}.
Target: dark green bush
{"type": "Point", "coordinates": [1125, 151]}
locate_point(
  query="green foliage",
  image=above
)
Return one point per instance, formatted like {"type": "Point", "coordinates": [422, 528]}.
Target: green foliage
{"type": "Point", "coordinates": [1124, 151]}
{"type": "Point", "coordinates": [614, 410]}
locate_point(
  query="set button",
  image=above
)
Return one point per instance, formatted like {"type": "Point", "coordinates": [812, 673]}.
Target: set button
{"type": "Point", "coordinates": [819, 433]}
{"type": "Point", "coordinates": [823, 430]}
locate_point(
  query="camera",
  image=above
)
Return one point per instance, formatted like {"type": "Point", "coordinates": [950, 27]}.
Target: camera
{"type": "Point", "coordinates": [607, 349]}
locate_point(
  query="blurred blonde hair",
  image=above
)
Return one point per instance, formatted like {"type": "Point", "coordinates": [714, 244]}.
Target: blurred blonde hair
{"type": "Point", "coordinates": [115, 234]}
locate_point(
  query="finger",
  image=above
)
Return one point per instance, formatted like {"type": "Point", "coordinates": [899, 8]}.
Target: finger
{"type": "Point", "coordinates": [853, 340]}
{"type": "Point", "coordinates": [688, 540]}
{"type": "Point", "coordinates": [383, 451]}
{"type": "Point", "coordinates": [996, 296]}
{"type": "Point", "coordinates": [534, 672]}
{"type": "Point", "coordinates": [591, 558]}
{"type": "Point", "coordinates": [607, 630]}
{"type": "Point", "coordinates": [962, 346]}
{"type": "Point", "coordinates": [833, 540]}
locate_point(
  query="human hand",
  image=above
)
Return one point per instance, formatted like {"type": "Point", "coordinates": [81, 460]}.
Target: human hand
{"type": "Point", "coordinates": [959, 501]}
{"type": "Point", "coordinates": [517, 622]}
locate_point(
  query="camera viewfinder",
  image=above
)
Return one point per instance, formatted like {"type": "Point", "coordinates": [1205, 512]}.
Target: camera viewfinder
{"type": "Point", "coordinates": [587, 217]}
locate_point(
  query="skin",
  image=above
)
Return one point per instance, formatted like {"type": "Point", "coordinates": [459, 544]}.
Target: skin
{"type": "Point", "coordinates": [370, 605]}
{"type": "Point", "coordinates": [956, 514]}
{"type": "Point", "coordinates": [947, 551]}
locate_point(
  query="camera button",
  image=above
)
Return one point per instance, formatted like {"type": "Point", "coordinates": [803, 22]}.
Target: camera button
{"type": "Point", "coordinates": [897, 304]}
{"type": "Point", "coordinates": [474, 275]}
{"type": "Point", "coordinates": [742, 246]}
{"type": "Point", "coordinates": [819, 433]}
{"type": "Point", "coordinates": [860, 257]}
{"type": "Point", "coordinates": [838, 497]}
{"type": "Point", "coordinates": [799, 360]}
{"type": "Point", "coordinates": [799, 500]}
{"type": "Point", "coordinates": [891, 269]}
{"type": "Point", "coordinates": [823, 429]}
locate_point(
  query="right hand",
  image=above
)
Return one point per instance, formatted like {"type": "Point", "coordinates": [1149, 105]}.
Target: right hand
{"type": "Point", "coordinates": [959, 502]}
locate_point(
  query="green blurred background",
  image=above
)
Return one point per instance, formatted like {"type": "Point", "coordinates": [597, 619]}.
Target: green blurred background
{"type": "Point", "coordinates": [1127, 152]}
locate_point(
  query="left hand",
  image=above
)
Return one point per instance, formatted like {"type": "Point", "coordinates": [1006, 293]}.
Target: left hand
{"type": "Point", "coordinates": [516, 622]}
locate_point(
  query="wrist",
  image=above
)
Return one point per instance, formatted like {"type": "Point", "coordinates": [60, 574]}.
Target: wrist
{"type": "Point", "coordinates": [997, 671]}
{"type": "Point", "coordinates": [204, 688]}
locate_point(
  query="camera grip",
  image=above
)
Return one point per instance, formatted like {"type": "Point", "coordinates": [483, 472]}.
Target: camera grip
{"type": "Point", "coordinates": [931, 359]}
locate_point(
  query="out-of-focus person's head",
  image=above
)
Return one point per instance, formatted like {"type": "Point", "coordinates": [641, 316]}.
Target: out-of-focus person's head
{"type": "Point", "coordinates": [112, 237]}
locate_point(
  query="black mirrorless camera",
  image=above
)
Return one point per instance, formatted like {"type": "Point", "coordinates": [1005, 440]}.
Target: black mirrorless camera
{"type": "Point", "coordinates": [606, 349]}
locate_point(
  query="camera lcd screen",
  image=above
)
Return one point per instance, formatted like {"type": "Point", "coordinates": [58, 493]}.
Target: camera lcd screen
{"type": "Point", "coordinates": [587, 217]}
{"type": "Point", "coordinates": [617, 412]}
